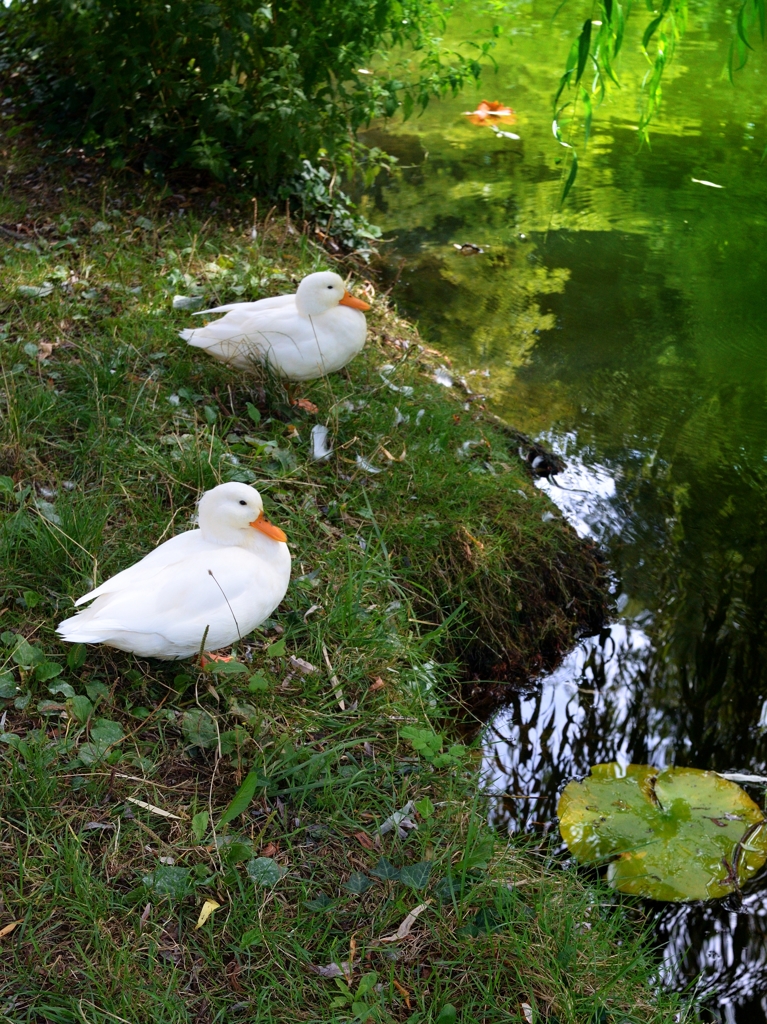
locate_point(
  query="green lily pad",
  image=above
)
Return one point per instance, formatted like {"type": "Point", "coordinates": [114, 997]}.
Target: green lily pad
{"type": "Point", "coordinates": [673, 835]}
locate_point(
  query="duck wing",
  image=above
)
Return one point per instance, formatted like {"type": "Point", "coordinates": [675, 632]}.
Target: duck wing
{"type": "Point", "coordinates": [245, 308]}
{"type": "Point", "coordinates": [220, 594]}
{"type": "Point", "coordinates": [170, 552]}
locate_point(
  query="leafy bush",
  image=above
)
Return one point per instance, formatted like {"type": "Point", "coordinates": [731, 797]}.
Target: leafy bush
{"type": "Point", "coordinates": [231, 85]}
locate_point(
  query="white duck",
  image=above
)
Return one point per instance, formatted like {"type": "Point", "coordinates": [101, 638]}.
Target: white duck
{"type": "Point", "coordinates": [218, 582]}
{"type": "Point", "coordinates": [303, 336]}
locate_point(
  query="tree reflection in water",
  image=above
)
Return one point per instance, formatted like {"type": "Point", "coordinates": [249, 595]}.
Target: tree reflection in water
{"type": "Point", "coordinates": [680, 682]}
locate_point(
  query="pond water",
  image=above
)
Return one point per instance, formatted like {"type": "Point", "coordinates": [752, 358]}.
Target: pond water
{"type": "Point", "coordinates": [628, 331]}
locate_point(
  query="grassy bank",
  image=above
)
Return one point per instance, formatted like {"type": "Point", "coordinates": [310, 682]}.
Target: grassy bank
{"type": "Point", "coordinates": [423, 560]}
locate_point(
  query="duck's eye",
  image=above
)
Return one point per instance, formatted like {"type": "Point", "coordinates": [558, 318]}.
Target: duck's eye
{"type": "Point", "coordinates": [243, 502]}
{"type": "Point", "coordinates": [330, 287]}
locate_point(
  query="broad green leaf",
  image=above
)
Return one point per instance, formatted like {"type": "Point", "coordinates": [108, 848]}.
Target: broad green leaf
{"type": "Point", "coordinates": [169, 881]}
{"type": "Point", "coordinates": [235, 850]}
{"type": "Point", "coordinates": [386, 871]}
{"type": "Point", "coordinates": [199, 729]}
{"type": "Point", "coordinates": [81, 708]}
{"type": "Point", "coordinates": [233, 739]}
{"type": "Point", "coordinates": [680, 834]}
{"type": "Point", "coordinates": [107, 732]}
{"type": "Point", "coordinates": [424, 741]}
{"type": "Point", "coordinates": [320, 903]}
{"type": "Point", "coordinates": [357, 883]}
{"type": "Point", "coordinates": [7, 685]}
{"type": "Point", "coordinates": [367, 984]}
{"type": "Point", "coordinates": [265, 871]}
{"type": "Point", "coordinates": [416, 875]}
{"type": "Point", "coordinates": [447, 1015]}
{"type": "Point", "coordinates": [253, 412]}
{"type": "Point", "coordinates": [65, 689]}
{"type": "Point", "coordinates": [424, 807]}
{"type": "Point", "coordinates": [249, 937]}
{"type": "Point", "coordinates": [31, 598]}
{"type": "Point", "coordinates": [96, 691]}
{"type": "Point", "coordinates": [200, 824]}
{"type": "Point", "coordinates": [76, 656]}
{"type": "Point", "coordinates": [276, 650]}
{"type": "Point", "coordinates": [27, 656]}
{"type": "Point", "coordinates": [258, 682]}
{"type": "Point", "coordinates": [48, 670]}
{"type": "Point", "coordinates": [228, 668]}
{"type": "Point", "coordinates": [241, 800]}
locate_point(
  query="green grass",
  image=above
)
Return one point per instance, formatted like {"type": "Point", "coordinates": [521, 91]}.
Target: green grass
{"type": "Point", "coordinates": [412, 587]}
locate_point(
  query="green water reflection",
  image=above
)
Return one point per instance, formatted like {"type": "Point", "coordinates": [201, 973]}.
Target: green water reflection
{"type": "Point", "coordinates": [629, 329]}
{"type": "Point", "coordinates": [629, 326]}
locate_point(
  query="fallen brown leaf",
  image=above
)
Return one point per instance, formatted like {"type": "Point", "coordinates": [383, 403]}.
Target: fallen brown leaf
{"type": "Point", "coordinates": [269, 850]}
{"type": "Point", "coordinates": [9, 928]}
{"type": "Point", "coordinates": [151, 807]}
{"type": "Point", "coordinates": [306, 405]}
{"type": "Point", "coordinates": [364, 840]}
{"type": "Point", "coordinates": [403, 992]}
{"type": "Point", "coordinates": [405, 928]}
{"type": "Point", "coordinates": [377, 685]}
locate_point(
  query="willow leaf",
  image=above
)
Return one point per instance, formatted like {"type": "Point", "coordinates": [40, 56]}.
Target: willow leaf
{"type": "Point", "coordinates": [584, 43]}
{"type": "Point", "coordinates": [570, 177]}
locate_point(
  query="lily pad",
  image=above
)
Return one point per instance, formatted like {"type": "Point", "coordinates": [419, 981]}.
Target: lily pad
{"type": "Point", "coordinates": [673, 835]}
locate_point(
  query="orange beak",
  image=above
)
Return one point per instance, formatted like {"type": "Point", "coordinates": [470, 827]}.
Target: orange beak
{"type": "Point", "coordinates": [349, 300]}
{"type": "Point", "coordinates": [271, 531]}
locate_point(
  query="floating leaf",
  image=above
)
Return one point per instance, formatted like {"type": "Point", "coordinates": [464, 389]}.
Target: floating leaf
{"type": "Point", "coordinates": [265, 871]}
{"type": "Point", "coordinates": [680, 834]}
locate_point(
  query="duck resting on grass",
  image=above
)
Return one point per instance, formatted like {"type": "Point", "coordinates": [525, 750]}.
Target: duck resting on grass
{"type": "Point", "coordinates": [216, 583]}
{"type": "Point", "coordinates": [314, 332]}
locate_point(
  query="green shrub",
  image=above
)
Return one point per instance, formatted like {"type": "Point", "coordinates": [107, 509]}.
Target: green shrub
{"type": "Point", "coordinates": [230, 86]}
